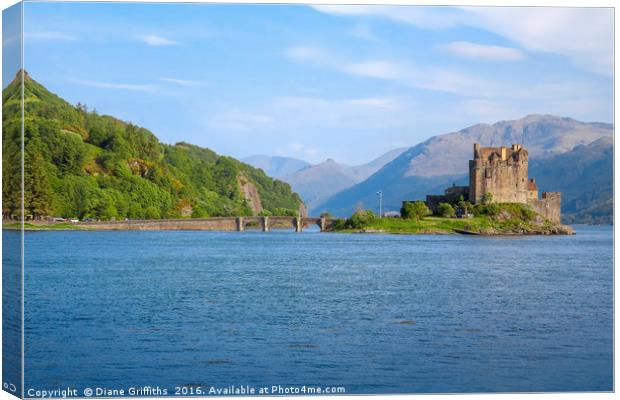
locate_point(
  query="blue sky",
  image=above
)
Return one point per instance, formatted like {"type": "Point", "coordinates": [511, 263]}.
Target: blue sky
{"type": "Point", "coordinates": [342, 82]}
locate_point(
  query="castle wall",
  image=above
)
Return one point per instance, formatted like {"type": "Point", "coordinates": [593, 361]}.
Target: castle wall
{"type": "Point", "coordinates": [451, 195]}
{"type": "Point", "coordinates": [500, 171]}
{"type": "Point", "coordinates": [549, 206]}
{"type": "Point", "coordinates": [432, 201]}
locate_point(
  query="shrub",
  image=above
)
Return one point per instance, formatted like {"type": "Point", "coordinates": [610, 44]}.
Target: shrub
{"type": "Point", "coordinates": [465, 206]}
{"type": "Point", "coordinates": [445, 210]}
{"type": "Point", "coordinates": [487, 198]}
{"type": "Point", "coordinates": [414, 210]}
{"type": "Point", "coordinates": [284, 212]}
{"type": "Point", "coordinates": [151, 212]}
{"type": "Point", "coordinates": [361, 219]}
{"type": "Point", "coordinates": [338, 224]}
{"type": "Point", "coordinates": [505, 211]}
{"type": "Point", "coordinates": [491, 210]}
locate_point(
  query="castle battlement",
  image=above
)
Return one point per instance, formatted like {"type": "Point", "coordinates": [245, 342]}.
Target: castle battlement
{"type": "Point", "coordinates": [501, 171]}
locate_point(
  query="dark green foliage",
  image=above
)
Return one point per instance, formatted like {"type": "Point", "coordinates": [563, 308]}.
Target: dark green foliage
{"type": "Point", "coordinates": [85, 165]}
{"type": "Point", "coordinates": [505, 211]}
{"type": "Point", "coordinates": [465, 206]}
{"type": "Point", "coordinates": [445, 210]}
{"type": "Point", "coordinates": [487, 198]}
{"type": "Point", "coordinates": [414, 210]}
{"type": "Point", "coordinates": [285, 212]}
{"type": "Point", "coordinates": [490, 210]}
{"type": "Point", "coordinates": [360, 219]}
{"type": "Point", "coordinates": [339, 224]}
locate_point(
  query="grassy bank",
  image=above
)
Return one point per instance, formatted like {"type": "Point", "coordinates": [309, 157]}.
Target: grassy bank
{"type": "Point", "coordinates": [442, 226]}
{"type": "Point", "coordinates": [501, 219]}
{"type": "Point", "coordinates": [42, 227]}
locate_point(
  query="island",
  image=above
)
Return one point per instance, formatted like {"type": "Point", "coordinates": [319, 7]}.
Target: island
{"type": "Point", "coordinates": [500, 199]}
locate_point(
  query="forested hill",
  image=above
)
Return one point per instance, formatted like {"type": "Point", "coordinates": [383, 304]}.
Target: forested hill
{"type": "Point", "coordinates": [82, 164]}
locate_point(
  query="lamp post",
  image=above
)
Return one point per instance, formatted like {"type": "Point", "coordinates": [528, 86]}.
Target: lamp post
{"type": "Point", "coordinates": [380, 194]}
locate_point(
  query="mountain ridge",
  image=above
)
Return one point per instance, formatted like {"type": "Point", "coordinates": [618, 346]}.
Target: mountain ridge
{"type": "Point", "coordinates": [437, 162]}
{"type": "Point", "coordinates": [276, 166]}
{"type": "Point", "coordinates": [317, 182]}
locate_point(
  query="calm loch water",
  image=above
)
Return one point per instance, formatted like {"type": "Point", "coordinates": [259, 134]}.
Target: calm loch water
{"type": "Point", "coordinates": [370, 313]}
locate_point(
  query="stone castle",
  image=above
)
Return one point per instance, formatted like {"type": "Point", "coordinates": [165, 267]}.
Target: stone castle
{"type": "Point", "coordinates": [501, 172]}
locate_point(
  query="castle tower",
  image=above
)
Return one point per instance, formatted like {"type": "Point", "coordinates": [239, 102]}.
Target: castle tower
{"type": "Point", "coordinates": [500, 171]}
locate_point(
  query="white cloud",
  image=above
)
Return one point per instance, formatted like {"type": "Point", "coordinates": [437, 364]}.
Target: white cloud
{"type": "Point", "coordinates": [374, 102]}
{"type": "Point", "coordinates": [110, 85]}
{"type": "Point", "coordinates": [482, 52]}
{"type": "Point", "coordinates": [155, 41]}
{"type": "Point", "coordinates": [184, 82]}
{"type": "Point", "coordinates": [582, 35]}
{"type": "Point", "coordinates": [422, 16]}
{"type": "Point", "coordinates": [49, 36]}
{"type": "Point", "coordinates": [288, 115]}
{"type": "Point", "coordinates": [363, 31]}
{"type": "Point", "coordinates": [240, 121]}
{"type": "Point", "coordinates": [376, 69]}
{"type": "Point", "coordinates": [422, 77]}
{"type": "Point", "coordinates": [485, 110]}
{"type": "Point", "coordinates": [365, 113]}
{"type": "Point", "coordinates": [308, 53]}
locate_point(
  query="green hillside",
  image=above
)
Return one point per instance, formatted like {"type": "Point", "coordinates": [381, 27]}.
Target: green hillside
{"type": "Point", "coordinates": [78, 163]}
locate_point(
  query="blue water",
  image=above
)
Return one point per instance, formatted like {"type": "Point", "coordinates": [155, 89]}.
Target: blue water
{"type": "Point", "coordinates": [12, 313]}
{"type": "Point", "coordinates": [370, 313]}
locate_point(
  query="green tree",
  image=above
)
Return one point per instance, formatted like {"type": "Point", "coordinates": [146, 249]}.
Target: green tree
{"type": "Point", "coordinates": [465, 206]}
{"type": "Point", "coordinates": [105, 208]}
{"type": "Point", "coordinates": [79, 196]}
{"type": "Point", "coordinates": [37, 189]}
{"type": "Point", "coordinates": [416, 210]}
{"type": "Point", "coordinates": [152, 212]}
{"type": "Point", "coordinates": [11, 177]}
{"type": "Point", "coordinates": [445, 210]}
{"type": "Point", "coordinates": [361, 219]}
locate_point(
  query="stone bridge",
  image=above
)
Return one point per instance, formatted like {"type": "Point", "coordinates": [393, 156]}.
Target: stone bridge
{"type": "Point", "coordinates": [239, 224]}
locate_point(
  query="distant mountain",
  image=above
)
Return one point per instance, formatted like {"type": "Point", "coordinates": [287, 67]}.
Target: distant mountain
{"type": "Point", "coordinates": [276, 167]}
{"type": "Point", "coordinates": [442, 160]}
{"type": "Point", "coordinates": [363, 171]}
{"type": "Point", "coordinates": [318, 182]}
{"type": "Point", "coordinates": [584, 175]}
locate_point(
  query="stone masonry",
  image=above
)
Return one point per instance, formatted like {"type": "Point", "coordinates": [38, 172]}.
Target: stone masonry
{"type": "Point", "coordinates": [503, 173]}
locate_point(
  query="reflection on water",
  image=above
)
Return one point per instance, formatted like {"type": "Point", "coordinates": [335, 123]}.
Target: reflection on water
{"type": "Point", "coordinates": [372, 313]}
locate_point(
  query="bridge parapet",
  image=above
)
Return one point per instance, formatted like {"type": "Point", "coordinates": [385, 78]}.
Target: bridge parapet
{"type": "Point", "coordinates": [238, 224]}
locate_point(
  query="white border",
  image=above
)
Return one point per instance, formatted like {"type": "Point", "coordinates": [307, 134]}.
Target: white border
{"type": "Point", "coordinates": [557, 3]}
